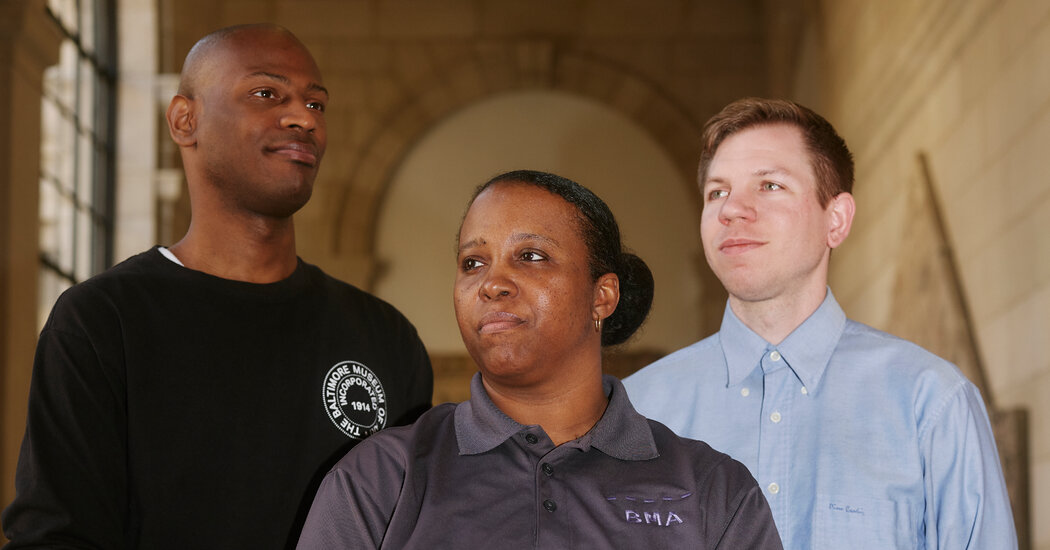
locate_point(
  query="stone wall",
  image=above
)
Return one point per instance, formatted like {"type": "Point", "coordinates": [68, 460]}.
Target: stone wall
{"type": "Point", "coordinates": [966, 85]}
{"type": "Point", "coordinates": [28, 44]}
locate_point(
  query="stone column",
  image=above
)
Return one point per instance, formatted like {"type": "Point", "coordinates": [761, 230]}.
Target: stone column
{"type": "Point", "coordinates": [29, 42]}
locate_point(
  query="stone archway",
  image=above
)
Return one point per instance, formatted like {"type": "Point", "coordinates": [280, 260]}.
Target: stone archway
{"type": "Point", "coordinates": [490, 69]}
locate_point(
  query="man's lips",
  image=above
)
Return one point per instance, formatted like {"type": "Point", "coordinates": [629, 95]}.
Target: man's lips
{"type": "Point", "coordinates": [738, 246]}
{"type": "Point", "coordinates": [297, 151]}
{"type": "Point", "coordinates": [498, 321]}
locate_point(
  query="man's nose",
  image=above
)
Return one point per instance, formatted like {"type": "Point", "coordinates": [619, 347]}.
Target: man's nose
{"type": "Point", "coordinates": [299, 115]}
{"type": "Point", "coordinates": [736, 206]}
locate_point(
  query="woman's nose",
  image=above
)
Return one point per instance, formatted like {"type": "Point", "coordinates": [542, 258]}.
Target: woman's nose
{"type": "Point", "coordinates": [498, 285]}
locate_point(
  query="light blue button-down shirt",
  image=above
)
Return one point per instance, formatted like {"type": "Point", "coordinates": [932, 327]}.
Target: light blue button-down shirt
{"type": "Point", "coordinates": [859, 439]}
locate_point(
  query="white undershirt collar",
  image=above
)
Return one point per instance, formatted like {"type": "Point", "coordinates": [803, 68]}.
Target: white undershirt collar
{"type": "Point", "coordinates": [168, 254]}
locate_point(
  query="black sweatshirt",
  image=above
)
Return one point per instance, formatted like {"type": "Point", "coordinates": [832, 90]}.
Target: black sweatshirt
{"type": "Point", "coordinates": [173, 409]}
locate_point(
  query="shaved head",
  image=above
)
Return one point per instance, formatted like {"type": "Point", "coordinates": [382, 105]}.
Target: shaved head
{"type": "Point", "coordinates": [199, 65]}
{"type": "Point", "coordinates": [249, 121]}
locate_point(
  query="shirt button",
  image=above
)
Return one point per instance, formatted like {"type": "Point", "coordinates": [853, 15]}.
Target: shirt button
{"type": "Point", "coordinates": [773, 488]}
{"type": "Point", "coordinates": [745, 392]}
{"type": "Point", "coordinates": [775, 417]}
{"type": "Point", "coordinates": [548, 469]}
{"type": "Point", "coordinates": [805, 391]}
{"type": "Point", "coordinates": [774, 355]}
{"type": "Point", "coordinates": [549, 505]}
{"type": "Point", "coordinates": [531, 438]}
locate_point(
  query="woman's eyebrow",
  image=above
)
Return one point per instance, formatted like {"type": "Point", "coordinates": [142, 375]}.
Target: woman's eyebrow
{"type": "Point", "coordinates": [517, 238]}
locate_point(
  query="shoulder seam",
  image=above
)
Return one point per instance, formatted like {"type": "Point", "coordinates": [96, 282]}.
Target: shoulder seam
{"type": "Point", "coordinates": [941, 406]}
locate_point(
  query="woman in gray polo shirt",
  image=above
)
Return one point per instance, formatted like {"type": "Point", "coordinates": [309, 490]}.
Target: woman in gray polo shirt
{"type": "Point", "coordinates": [548, 452]}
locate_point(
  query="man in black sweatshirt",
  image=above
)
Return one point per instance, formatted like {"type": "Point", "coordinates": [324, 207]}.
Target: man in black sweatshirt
{"type": "Point", "coordinates": [194, 396]}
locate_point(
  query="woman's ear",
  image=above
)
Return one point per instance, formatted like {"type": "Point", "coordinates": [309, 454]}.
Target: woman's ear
{"type": "Point", "coordinates": [182, 121]}
{"type": "Point", "coordinates": [606, 295]}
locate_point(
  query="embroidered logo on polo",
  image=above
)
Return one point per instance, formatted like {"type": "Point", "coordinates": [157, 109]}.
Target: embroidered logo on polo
{"type": "Point", "coordinates": [354, 399]}
{"type": "Point", "coordinates": [661, 511]}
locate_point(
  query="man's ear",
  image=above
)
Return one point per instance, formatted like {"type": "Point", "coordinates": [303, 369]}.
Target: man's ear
{"type": "Point", "coordinates": [182, 121]}
{"type": "Point", "coordinates": [840, 218]}
{"type": "Point", "coordinates": [606, 295]}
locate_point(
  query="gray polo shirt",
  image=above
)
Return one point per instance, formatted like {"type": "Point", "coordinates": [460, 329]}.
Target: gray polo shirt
{"type": "Point", "coordinates": [467, 476]}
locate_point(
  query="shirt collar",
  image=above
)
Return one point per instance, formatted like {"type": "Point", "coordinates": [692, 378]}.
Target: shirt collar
{"type": "Point", "coordinates": [620, 433]}
{"type": "Point", "coordinates": [807, 350]}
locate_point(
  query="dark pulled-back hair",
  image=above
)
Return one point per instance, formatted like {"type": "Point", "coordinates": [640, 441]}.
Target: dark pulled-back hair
{"type": "Point", "coordinates": [601, 235]}
{"type": "Point", "coordinates": [831, 160]}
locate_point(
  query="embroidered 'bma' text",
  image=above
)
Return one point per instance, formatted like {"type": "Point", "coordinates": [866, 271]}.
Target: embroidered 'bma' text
{"type": "Point", "coordinates": [653, 518]}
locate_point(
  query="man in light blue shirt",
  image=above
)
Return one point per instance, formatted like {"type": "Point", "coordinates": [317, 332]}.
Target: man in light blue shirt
{"type": "Point", "coordinates": [859, 439]}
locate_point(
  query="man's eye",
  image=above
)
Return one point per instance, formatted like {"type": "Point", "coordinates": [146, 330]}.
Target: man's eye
{"type": "Point", "coordinates": [470, 264]}
{"type": "Point", "coordinates": [263, 93]}
{"type": "Point", "coordinates": [716, 194]}
{"type": "Point", "coordinates": [316, 105]}
{"type": "Point", "coordinates": [530, 256]}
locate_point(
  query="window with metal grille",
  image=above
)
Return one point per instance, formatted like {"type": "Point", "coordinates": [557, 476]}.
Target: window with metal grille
{"type": "Point", "coordinates": [77, 168]}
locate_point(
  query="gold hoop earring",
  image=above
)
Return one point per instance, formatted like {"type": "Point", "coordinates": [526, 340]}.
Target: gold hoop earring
{"type": "Point", "coordinates": [598, 325]}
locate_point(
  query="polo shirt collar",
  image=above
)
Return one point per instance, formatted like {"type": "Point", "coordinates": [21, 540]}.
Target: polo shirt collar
{"type": "Point", "coordinates": [620, 433]}
{"type": "Point", "coordinates": [807, 350]}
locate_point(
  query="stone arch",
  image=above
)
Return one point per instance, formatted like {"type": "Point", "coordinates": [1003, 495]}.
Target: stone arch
{"type": "Point", "coordinates": [487, 70]}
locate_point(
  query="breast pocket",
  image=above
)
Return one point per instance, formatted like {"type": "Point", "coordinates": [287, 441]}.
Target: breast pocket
{"type": "Point", "coordinates": [842, 522]}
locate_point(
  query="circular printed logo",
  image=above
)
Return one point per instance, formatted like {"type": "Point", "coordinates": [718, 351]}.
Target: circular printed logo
{"type": "Point", "coordinates": [354, 399]}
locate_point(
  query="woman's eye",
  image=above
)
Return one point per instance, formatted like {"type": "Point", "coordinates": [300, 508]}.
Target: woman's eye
{"type": "Point", "coordinates": [770, 186]}
{"type": "Point", "coordinates": [530, 256]}
{"type": "Point", "coordinates": [470, 264]}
